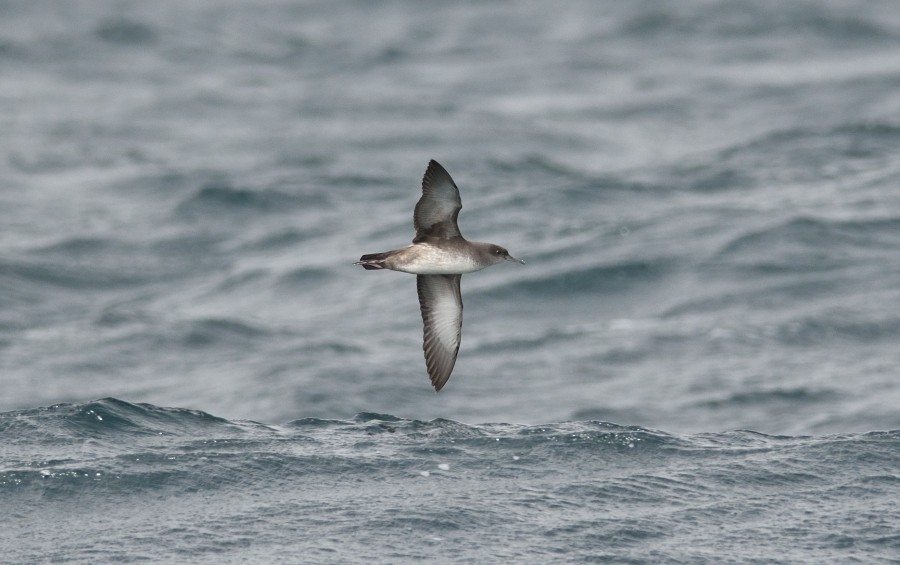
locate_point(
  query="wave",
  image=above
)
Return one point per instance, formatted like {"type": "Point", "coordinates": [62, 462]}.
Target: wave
{"type": "Point", "coordinates": [804, 245]}
{"type": "Point", "coordinates": [614, 278]}
{"type": "Point", "coordinates": [73, 275]}
{"type": "Point", "coordinates": [752, 20]}
{"type": "Point", "coordinates": [214, 199]}
{"type": "Point", "coordinates": [797, 155]}
{"type": "Point", "coordinates": [100, 263]}
{"type": "Point", "coordinates": [121, 443]}
{"type": "Point", "coordinates": [790, 397]}
{"type": "Point", "coordinates": [121, 31]}
{"type": "Point", "coordinates": [112, 417]}
{"type": "Point", "coordinates": [576, 484]}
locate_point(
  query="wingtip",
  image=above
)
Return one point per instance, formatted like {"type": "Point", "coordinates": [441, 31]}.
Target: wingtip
{"type": "Point", "coordinates": [438, 380]}
{"type": "Point", "coordinates": [434, 168]}
{"type": "Point", "coordinates": [435, 375]}
{"type": "Point", "coordinates": [438, 384]}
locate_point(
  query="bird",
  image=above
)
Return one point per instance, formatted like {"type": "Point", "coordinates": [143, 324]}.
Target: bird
{"type": "Point", "coordinates": [439, 255]}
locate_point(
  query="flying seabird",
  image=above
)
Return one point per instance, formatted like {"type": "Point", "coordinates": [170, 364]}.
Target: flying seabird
{"type": "Point", "coordinates": [438, 256]}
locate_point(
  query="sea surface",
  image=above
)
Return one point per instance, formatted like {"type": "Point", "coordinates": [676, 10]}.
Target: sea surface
{"type": "Point", "coordinates": [699, 363]}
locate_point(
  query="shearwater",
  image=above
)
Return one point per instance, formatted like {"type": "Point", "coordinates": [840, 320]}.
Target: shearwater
{"type": "Point", "coordinates": [439, 255]}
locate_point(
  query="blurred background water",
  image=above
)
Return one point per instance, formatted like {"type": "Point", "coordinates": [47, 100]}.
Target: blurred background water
{"type": "Point", "coordinates": [705, 193]}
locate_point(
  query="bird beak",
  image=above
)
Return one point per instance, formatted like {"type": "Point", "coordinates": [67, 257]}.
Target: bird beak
{"type": "Point", "coordinates": [511, 258]}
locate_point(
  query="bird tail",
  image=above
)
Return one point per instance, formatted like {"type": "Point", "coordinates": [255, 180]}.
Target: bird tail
{"type": "Point", "coordinates": [373, 261]}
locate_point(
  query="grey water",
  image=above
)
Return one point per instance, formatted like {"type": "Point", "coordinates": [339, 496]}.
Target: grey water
{"type": "Point", "coordinates": [699, 362]}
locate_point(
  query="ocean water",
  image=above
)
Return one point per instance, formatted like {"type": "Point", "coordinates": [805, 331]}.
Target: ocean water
{"type": "Point", "coordinates": [700, 361]}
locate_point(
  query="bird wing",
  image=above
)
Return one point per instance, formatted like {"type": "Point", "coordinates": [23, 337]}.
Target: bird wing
{"type": "Point", "coordinates": [441, 304]}
{"type": "Point", "coordinates": [436, 211]}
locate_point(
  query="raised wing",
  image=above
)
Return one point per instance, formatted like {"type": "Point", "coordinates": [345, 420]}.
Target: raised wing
{"type": "Point", "coordinates": [436, 211]}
